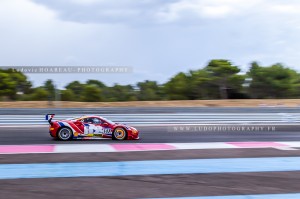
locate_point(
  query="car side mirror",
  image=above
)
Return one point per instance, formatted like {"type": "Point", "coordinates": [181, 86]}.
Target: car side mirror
{"type": "Point", "coordinates": [105, 124]}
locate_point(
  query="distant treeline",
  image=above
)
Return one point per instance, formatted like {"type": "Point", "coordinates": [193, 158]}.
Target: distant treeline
{"type": "Point", "coordinates": [220, 79]}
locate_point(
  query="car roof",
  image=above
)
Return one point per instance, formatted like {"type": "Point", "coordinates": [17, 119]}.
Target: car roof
{"type": "Point", "coordinates": [87, 116]}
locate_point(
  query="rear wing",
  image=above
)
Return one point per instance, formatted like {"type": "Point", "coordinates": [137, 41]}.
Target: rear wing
{"type": "Point", "coordinates": [49, 117]}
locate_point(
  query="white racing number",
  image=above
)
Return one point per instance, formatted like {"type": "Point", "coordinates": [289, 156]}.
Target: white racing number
{"type": "Point", "coordinates": [107, 131]}
{"type": "Point", "coordinates": [92, 129]}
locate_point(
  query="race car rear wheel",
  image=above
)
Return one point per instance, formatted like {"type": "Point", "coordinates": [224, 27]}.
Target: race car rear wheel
{"type": "Point", "coordinates": [119, 134]}
{"type": "Point", "coordinates": [65, 134]}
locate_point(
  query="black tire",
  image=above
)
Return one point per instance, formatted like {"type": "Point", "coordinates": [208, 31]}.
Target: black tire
{"type": "Point", "coordinates": [65, 134]}
{"type": "Point", "coordinates": [119, 134]}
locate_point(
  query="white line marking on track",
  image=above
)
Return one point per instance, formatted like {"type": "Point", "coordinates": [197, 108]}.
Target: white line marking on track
{"type": "Point", "coordinates": [131, 147]}
{"type": "Point", "coordinates": [83, 148]}
{"type": "Point", "coordinates": [286, 148]}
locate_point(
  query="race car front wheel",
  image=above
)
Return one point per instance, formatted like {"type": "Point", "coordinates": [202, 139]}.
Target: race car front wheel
{"type": "Point", "coordinates": [119, 134]}
{"type": "Point", "coordinates": [65, 134]}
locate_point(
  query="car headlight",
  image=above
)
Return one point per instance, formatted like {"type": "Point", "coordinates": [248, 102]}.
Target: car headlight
{"type": "Point", "coordinates": [134, 129]}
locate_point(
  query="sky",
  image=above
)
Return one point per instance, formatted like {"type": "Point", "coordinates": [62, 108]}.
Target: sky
{"type": "Point", "coordinates": [157, 38]}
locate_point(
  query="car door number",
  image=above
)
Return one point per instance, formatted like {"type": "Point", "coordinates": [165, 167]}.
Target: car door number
{"type": "Point", "coordinates": [106, 131]}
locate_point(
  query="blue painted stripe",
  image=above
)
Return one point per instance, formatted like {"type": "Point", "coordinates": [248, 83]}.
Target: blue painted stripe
{"type": "Point", "coordinates": [260, 196]}
{"type": "Point", "coordinates": [61, 124]}
{"type": "Point", "coordinates": [191, 166]}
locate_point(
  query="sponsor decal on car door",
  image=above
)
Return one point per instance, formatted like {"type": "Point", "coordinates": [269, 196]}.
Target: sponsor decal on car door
{"type": "Point", "coordinates": [93, 130]}
{"type": "Point", "coordinates": [107, 131]}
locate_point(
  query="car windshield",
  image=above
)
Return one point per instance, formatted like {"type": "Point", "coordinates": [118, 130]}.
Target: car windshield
{"type": "Point", "coordinates": [76, 118]}
{"type": "Point", "coordinates": [107, 120]}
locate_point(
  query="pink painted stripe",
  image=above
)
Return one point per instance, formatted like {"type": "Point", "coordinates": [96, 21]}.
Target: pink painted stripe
{"type": "Point", "coordinates": [26, 149]}
{"type": "Point", "coordinates": [256, 144]}
{"type": "Point", "coordinates": [142, 147]}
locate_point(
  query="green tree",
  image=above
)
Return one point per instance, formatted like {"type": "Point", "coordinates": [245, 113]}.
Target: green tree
{"type": "Point", "coordinates": [77, 88]}
{"type": "Point", "coordinates": [12, 82]}
{"type": "Point", "coordinates": [178, 87]}
{"type": "Point", "coordinates": [221, 71]}
{"type": "Point", "coordinates": [91, 93]}
{"type": "Point", "coordinates": [295, 88]}
{"type": "Point", "coordinates": [21, 81]}
{"type": "Point", "coordinates": [202, 86]}
{"type": "Point", "coordinates": [120, 93]}
{"type": "Point", "coordinates": [96, 82]}
{"type": "Point", "coordinates": [50, 88]}
{"type": "Point", "coordinates": [67, 95]}
{"type": "Point", "coordinates": [275, 81]}
{"type": "Point", "coordinates": [149, 90]}
{"type": "Point", "coordinates": [39, 94]}
{"type": "Point", "coordinates": [7, 85]}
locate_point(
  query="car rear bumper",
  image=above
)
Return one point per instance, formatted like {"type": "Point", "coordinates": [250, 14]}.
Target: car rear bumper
{"type": "Point", "coordinates": [52, 133]}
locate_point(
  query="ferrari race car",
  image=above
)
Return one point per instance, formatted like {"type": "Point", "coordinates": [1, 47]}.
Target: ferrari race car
{"type": "Point", "coordinates": [90, 127]}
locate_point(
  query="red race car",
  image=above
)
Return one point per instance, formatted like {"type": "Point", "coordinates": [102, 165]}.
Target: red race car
{"type": "Point", "coordinates": [90, 127]}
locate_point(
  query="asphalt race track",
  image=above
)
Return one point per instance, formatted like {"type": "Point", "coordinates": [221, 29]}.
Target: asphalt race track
{"type": "Point", "coordinates": [270, 172]}
{"type": "Point", "coordinates": [153, 186]}
{"type": "Point", "coordinates": [22, 135]}
{"type": "Point", "coordinates": [284, 183]}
